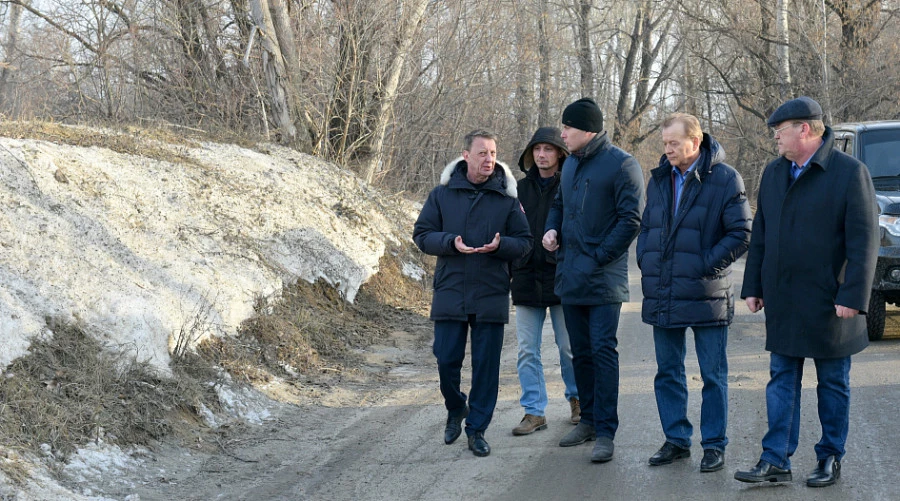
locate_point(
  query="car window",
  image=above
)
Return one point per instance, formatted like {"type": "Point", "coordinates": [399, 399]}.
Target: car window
{"type": "Point", "coordinates": [878, 150]}
{"type": "Point", "coordinates": [848, 145]}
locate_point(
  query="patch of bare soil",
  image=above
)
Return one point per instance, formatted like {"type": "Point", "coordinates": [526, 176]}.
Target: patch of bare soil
{"type": "Point", "coordinates": [305, 344]}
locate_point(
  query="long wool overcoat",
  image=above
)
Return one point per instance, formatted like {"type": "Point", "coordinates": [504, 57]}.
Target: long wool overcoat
{"type": "Point", "coordinates": [814, 245]}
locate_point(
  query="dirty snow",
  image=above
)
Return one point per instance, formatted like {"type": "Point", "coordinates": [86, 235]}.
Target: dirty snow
{"type": "Point", "coordinates": [142, 251]}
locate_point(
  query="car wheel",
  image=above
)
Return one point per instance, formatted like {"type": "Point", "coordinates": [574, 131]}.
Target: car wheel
{"type": "Point", "coordinates": [875, 316]}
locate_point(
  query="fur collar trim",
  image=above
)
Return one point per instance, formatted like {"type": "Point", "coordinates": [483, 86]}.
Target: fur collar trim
{"type": "Point", "coordinates": [508, 181]}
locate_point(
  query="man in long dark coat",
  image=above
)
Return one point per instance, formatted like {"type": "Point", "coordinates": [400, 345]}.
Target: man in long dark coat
{"type": "Point", "coordinates": [811, 263]}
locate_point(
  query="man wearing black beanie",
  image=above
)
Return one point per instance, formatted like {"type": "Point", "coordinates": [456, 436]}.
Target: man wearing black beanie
{"type": "Point", "coordinates": [595, 217]}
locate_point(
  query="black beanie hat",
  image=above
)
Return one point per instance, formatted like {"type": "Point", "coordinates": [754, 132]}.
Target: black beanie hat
{"type": "Point", "coordinates": [583, 114]}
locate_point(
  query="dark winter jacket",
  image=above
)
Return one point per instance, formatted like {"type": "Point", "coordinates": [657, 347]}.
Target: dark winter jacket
{"type": "Point", "coordinates": [685, 258]}
{"type": "Point", "coordinates": [534, 276]}
{"type": "Point", "coordinates": [478, 284]}
{"type": "Point", "coordinates": [814, 246]}
{"type": "Point", "coordinates": [597, 214]}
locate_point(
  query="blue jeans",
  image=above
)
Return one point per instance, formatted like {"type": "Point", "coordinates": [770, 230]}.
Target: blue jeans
{"type": "Point", "coordinates": [529, 331]}
{"type": "Point", "coordinates": [783, 406]}
{"type": "Point", "coordinates": [670, 384]}
{"type": "Point", "coordinates": [450, 350]}
{"type": "Point", "coordinates": [592, 333]}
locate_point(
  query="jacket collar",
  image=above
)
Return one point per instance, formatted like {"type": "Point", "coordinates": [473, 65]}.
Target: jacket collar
{"type": "Point", "coordinates": [594, 146]}
{"type": "Point", "coordinates": [821, 156]}
{"type": "Point", "coordinates": [501, 181]}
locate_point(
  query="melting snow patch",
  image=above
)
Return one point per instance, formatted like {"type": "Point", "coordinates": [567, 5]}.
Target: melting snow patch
{"type": "Point", "coordinates": [244, 403]}
{"type": "Point", "coordinates": [98, 462]}
{"type": "Point", "coordinates": [413, 271]}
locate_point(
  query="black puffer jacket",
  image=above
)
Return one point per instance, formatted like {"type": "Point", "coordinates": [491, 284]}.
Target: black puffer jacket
{"type": "Point", "coordinates": [685, 258]}
{"type": "Point", "coordinates": [478, 284]}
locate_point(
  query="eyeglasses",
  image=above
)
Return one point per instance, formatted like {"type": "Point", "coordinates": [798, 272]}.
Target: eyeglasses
{"type": "Point", "coordinates": [775, 132]}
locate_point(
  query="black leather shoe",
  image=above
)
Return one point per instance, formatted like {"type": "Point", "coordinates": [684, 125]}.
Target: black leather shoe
{"type": "Point", "coordinates": [763, 472]}
{"type": "Point", "coordinates": [667, 453]}
{"type": "Point", "coordinates": [826, 473]}
{"type": "Point", "coordinates": [454, 425]}
{"type": "Point", "coordinates": [713, 460]}
{"type": "Point", "coordinates": [478, 445]}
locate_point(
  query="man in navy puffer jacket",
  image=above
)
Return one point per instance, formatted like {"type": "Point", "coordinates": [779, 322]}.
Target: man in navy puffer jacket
{"type": "Point", "coordinates": [696, 223]}
{"type": "Point", "coordinates": [476, 227]}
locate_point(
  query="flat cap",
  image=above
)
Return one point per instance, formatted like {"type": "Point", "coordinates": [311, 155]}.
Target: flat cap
{"type": "Point", "coordinates": [801, 108]}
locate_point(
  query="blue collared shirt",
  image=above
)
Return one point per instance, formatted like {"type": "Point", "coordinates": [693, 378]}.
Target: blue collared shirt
{"type": "Point", "coordinates": [797, 169]}
{"type": "Point", "coordinates": [678, 180]}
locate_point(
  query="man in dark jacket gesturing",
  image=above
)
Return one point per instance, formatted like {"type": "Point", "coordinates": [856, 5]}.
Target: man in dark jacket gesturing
{"type": "Point", "coordinates": [532, 284]}
{"type": "Point", "coordinates": [595, 217]}
{"type": "Point", "coordinates": [474, 224]}
{"type": "Point", "coordinates": [811, 265]}
{"type": "Point", "coordinates": [696, 223]}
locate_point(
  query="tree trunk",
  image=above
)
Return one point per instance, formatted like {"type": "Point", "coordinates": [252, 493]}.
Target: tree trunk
{"type": "Point", "coordinates": [544, 65]}
{"type": "Point", "coordinates": [783, 51]}
{"type": "Point", "coordinates": [585, 58]}
{"type": "Point", "coordinates": [345, 115]}
{"type": "Point", "coordinates": [288, 44]}
{"type": "Point", "coordinates": [274, 69]}
{"type": "Point", "coordinates": [9, 50]}
{"type": "Point", "coordinates": [524, 104]}
{"type": "Point", "coordinates": [408, 29]}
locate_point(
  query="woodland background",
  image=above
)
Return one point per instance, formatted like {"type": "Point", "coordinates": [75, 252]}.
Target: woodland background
{"type": "Point", "coordinates": [388, 88]}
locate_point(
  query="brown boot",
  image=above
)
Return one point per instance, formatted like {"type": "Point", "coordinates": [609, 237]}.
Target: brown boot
{"type": "Point", "coordinates": [576, 410]}
{"type": "Point", "coordinates": [530, 424]}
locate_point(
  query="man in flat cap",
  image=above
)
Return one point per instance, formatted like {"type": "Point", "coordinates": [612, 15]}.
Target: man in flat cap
{"type": "Point", "coordinates": [810, 265]}
{"type": "Point", "coordinates": [595, 217]}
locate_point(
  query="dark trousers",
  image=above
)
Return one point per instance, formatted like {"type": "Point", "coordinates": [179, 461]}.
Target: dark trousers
{"type": "Point", "coordinates": [450, 350]}
{"type": "Point", "coordinates": [592, 333]}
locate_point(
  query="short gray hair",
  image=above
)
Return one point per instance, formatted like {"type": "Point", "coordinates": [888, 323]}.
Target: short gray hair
{"type": "Point", "coordinates": [470, 137]}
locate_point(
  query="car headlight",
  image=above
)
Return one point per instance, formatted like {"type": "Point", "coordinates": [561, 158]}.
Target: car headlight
{"type": "Point", "coordinates": [891, 224]}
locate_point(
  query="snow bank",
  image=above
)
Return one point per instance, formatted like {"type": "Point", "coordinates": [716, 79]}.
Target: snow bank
{"type": "Point", "coordinates": [139, 250]}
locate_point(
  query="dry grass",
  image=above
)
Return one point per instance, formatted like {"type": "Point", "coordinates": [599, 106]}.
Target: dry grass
{"type": "Point", "coordinates": [70, 389]}
{"type": "Point", "coordinates": [310, 326]}
{"type": "Point", "coordinates": [126, 140]}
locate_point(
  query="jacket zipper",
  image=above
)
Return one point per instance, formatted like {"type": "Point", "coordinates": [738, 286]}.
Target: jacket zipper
{"type": "Point", "coordinates": [587, 184]}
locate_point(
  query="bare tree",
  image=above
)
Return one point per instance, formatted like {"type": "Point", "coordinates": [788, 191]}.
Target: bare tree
{"type": "Point", "coordinates": [10, 42]}
{"type": "Point", "coordinates": [784, 51]}
{"type": "Point", "coordinates": [639, 85]}
{"type": "Point", "coordinates": [583, 38]}
{"type": "Point", "coordinates": [275, 71]}
{"type": "Point", "coordinates": [544, 63]}
{"type": "Point", "coordinates": [413, 12]}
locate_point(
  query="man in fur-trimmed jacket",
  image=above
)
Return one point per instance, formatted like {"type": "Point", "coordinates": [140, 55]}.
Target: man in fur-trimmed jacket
{"type": "Point", "coordinates": [476, 227]}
